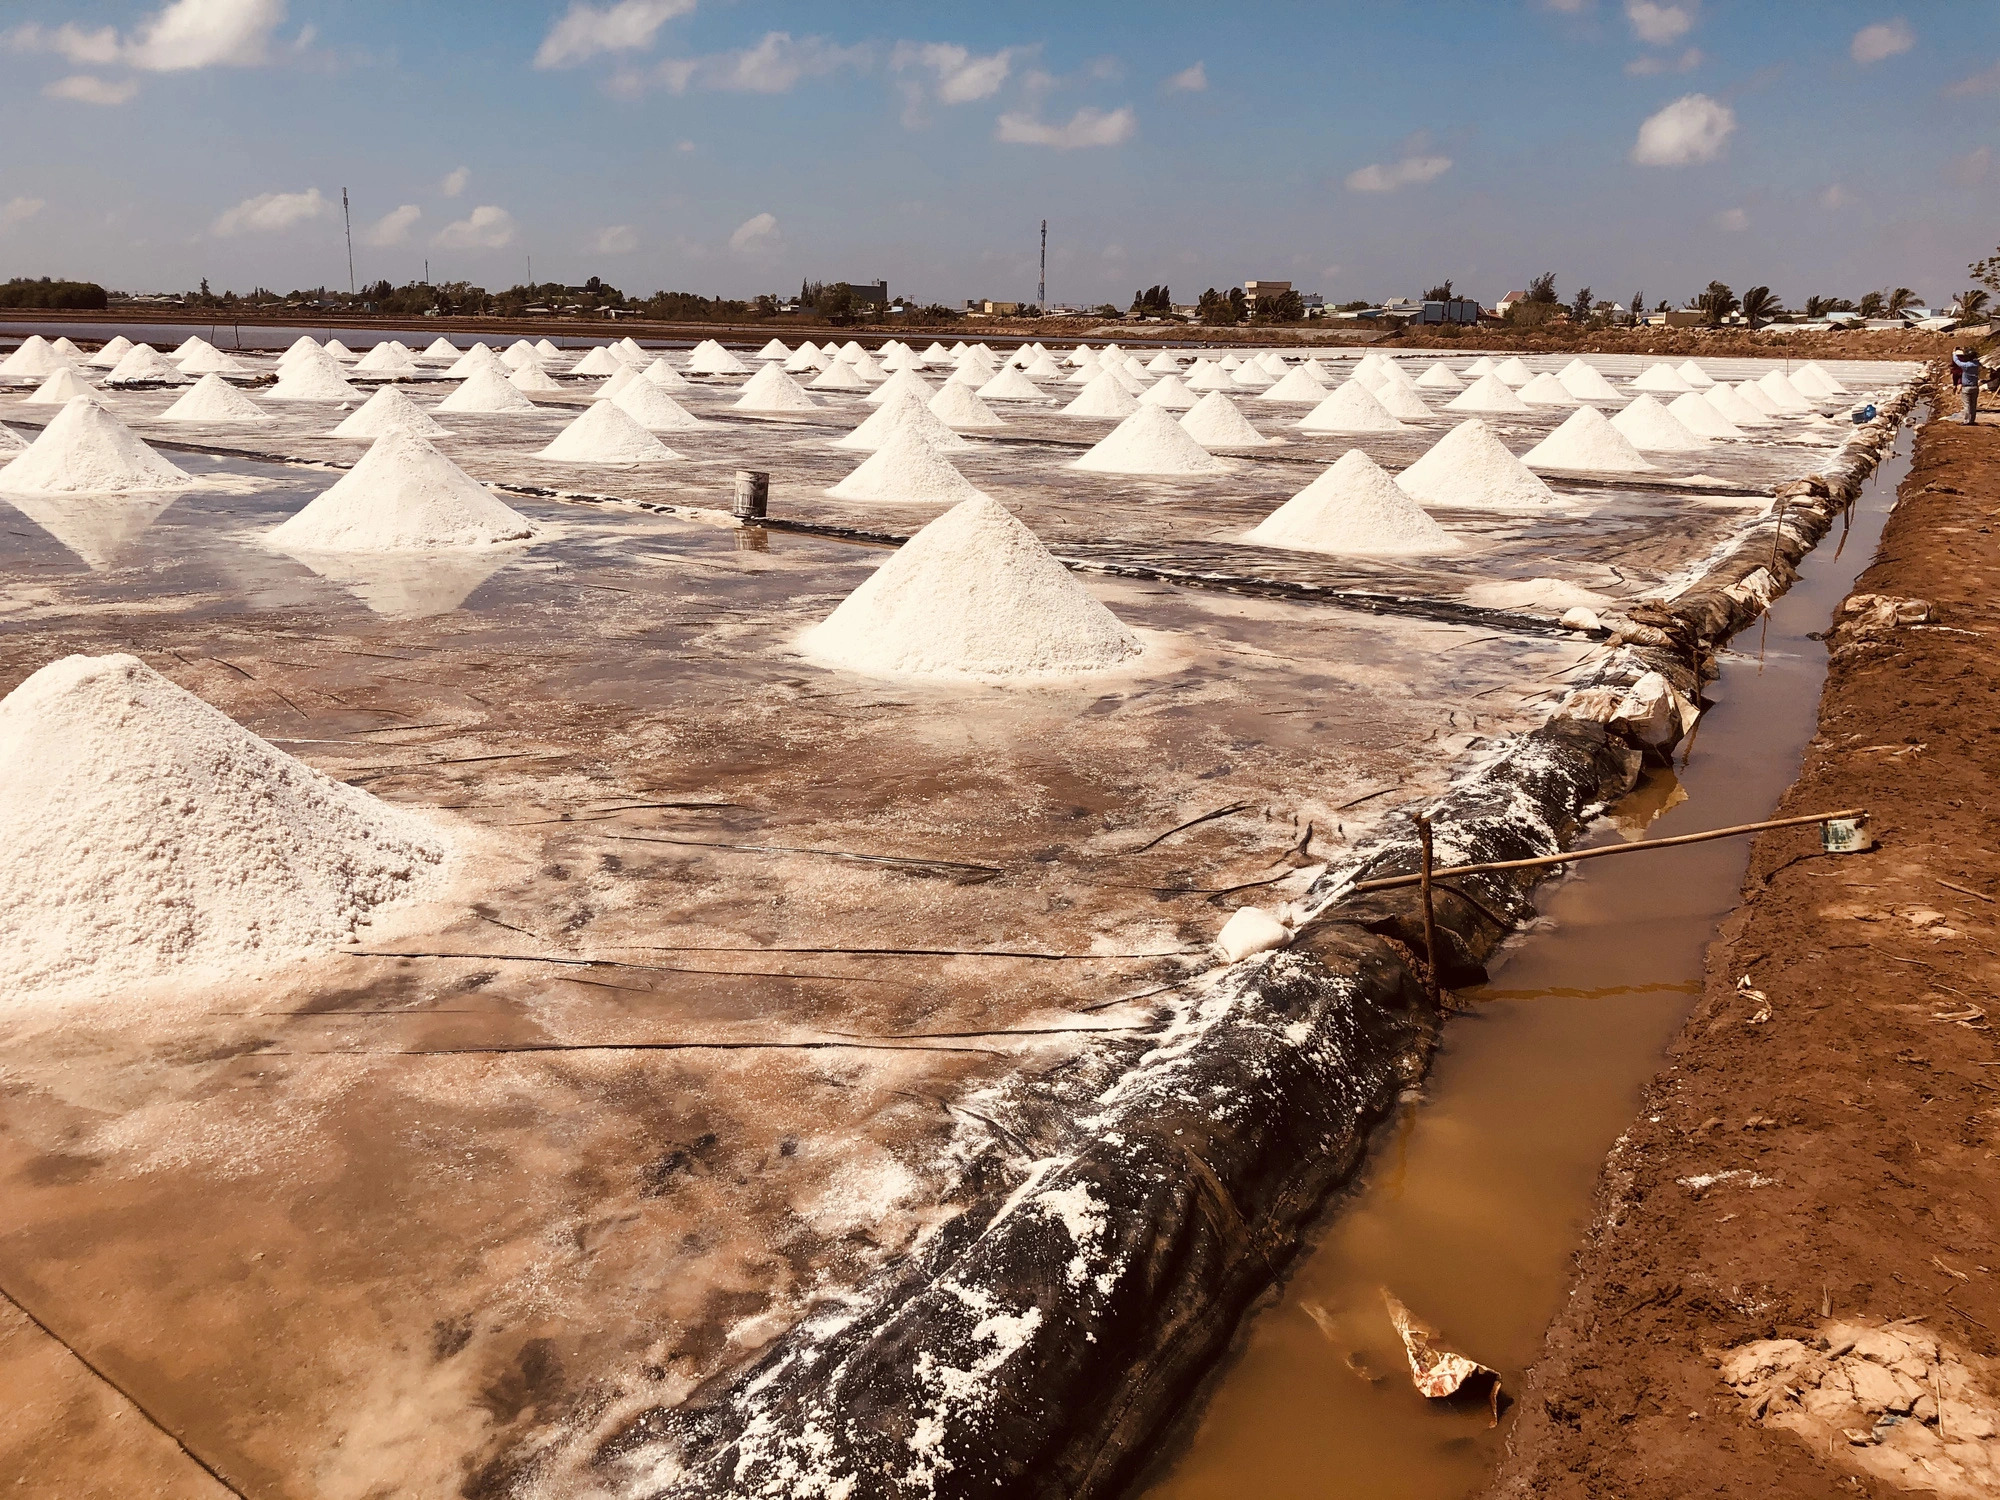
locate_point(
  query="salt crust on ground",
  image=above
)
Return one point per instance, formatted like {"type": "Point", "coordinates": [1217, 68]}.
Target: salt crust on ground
{"type": "Point", "coordinates": [1471, 469]}
{"type": "Point", "coordinates": [1150, 441]}
{"type": "Point", "coordinates": [906, 468]}
{"type": "Point", "coordinates": [1353, 509]}
{"type": "Point", "coordinates": [388, 410]}
{"type": "Point", "coordinates": [974, 594]}
{"type": "Point", "coordinates": [86, 450]}
{"type": "Point", "coordinates": [1653, 429]}
{"type": "Point", "coordinates": [1588, 442]}
{"type": "Point", "coordinates": [1351, 407]}
{"type": "Point", "coordinates": [1489, 393]}
{"type": "Point", "coordinates": [148, 833]}
{"type": "Point", "coordinates": [485, 391]}
{"type": "Point", "coordinates": [606, 434]}
{"type": "Point", "coordinates": [771, 389]}
{"type": "Point", "coordinates": [403, 496]}
{"type": "Point", "coordinates": [213, 399]}
{"type": "Point", "coordinates": [901, 411]}
{"type": "Point", "coordinates": [958, 406]}
{"type": "Point", "coordinates": [1216, 422]}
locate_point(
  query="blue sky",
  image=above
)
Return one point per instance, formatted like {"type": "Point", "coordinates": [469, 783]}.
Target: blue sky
{"type": "Point", "coordinates": [735, 146]}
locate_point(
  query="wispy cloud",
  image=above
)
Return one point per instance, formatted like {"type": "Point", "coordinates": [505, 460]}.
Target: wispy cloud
{"type": "Point", "coordinates": [1413, 167]}
{"type": "Point", "coordinates": [1188, 81]}
{"type": "Point", "coordinates": [487, 227]}
{"type": "Point", "coordinates": [775, 65]}
{"type": "Point", "coordinates": [455, 181]}
{"type": "Point", "coordinates": [1658, 24]}
{"type": "Point", "coordinates": [1970, 169]}
{"type": "Point", "coordinates": [1694, 128]}
{"type": "Point", "coordinates": [20, 210]}
{"type": "Point", "coordinates": [758, 236]}
{"type": "Point", "coordinates": [86, 88]}
{"type": "Point", "coordinates": [1732, 220]}
{"type": "Point", "coordinates": [393, 228]}
{"type": "Point", "coordinates": [1087, 127]}
{"type": "Point", "coordinates": [269, 213]}
{"type": "Point", "coordinates": [963, 76]}
{"type": "Point", "coordinates": [184, 35]}
{"type": "Point", "coordinates": [1646, 67]}
{"type": "Point", "coordinates": [1883, 40]}
{"type": "Point", "coordinates": [617, 239]}
{"type": "Point", "coordinates": [1986, 81]}
{"type": "Point", "coordinates": [585, 31]}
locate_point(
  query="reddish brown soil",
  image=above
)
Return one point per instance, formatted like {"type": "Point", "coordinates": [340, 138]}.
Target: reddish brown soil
{"type": "Point", "coordinates": [1866, 1103]}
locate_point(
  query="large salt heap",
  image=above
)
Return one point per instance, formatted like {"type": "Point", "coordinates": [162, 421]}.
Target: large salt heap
{"type": "Point", "coordinates": [1350, 407]}
{"type": "Point", "coordinates": [653, 409]}
{"type": "Point", "coordinates": [1701, 417]}
{"type": "Point", "coordinates": [1824, 383]}
{"type": "Point", "coordinates": [1653, 429]}
{"type": "Point", "coordinates": [403, 496]}
{"type": "Point", "coordinates": [107, 358]}
{"type": "Point", "coordinates": [598, 360]}
{"type": "Point", "coordinates": [531, 379]}
{"type": "Point", "coordinates": [1354, 509]}
{"type": "Point", "coordinates": [1696, 377]}
{"type": "Point", "coordinates": [1439, 378]}
{"type": "Point", "coordinates": [1216, 422]}
{"type": "Point", "coordinates": [772, 390]}
{"type": "Point", "coordinates": [310, 377]}
{"type": "Point", "coordinates": [148, 834]}
{"type": "Point", "coordinates": [1297, 387]}
{"type": "Point", "coordinates": [1587, 443]}
{"type": "Point", "coordinates": [838, 376]}
{"type": "Point", "coordinates": [906, 468]}
{"type": "Point", "coordinates": [61, 388]}
{"type": "Point", "coordinates": [199, 357]}
{"type": "Point", "coordinates": [1168, 391]}
{"type": "Point", "coordinates": [213, 399]}
{"type": "Point", "coordinates": [1514, 370]}
{"type": "Point", "coordinates": [478, 357]}
{"type": "Point", "coordinates": [1789, 399]}
{"type": "Point", "coordinates": [145, 365]}
{"type": "Point", "coordinates": [485, 392]}
{"type": "Point", "coordinates": [1663, 378]}
{"type": "Point", "coordinates": [710, 358]}
{"type": "Point", "coordinates": [1546, 390]}
{"type": "Point", "coordinates": [905, 378]}
{"type": "Point", "coordinates": [1471, 469]}
{"type": "Point", "coordinates": [1489, 393]}
{"type": "Point", "coordinates": [85, 449]}
{"type": "Point", "coordinates": [35, 360]}
{"type": "Point", "coordinates": [959, 408]}
{"type": "Point", "coordinates": [1010, 384]}
{"type": "Point", "coordinates": [388, 410]}
{"type": "Point", "coordinates": [1738, 412]}
{"type": "Point", "coordinates": [604, 434]}
{"type": "Point", "coordinates": [441, 350]}
{"type": "Point", "coordinates": [974, 594]}
{"type": "Point", "coordinates": [905, 410]}
{"type": "Point", "coordinates": [1150, 441]}
{"type": "Point", "coordinates": [1104, 396]}
{"type": "Point", "coordinates": [1586, 382]}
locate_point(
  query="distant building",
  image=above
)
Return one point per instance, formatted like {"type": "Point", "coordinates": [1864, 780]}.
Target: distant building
{"type": "Point", "coordinates": [1252, 290]}
{"type": "Point", "coordinates": [986, 307]}
{"type": "Point", "coordinates": [875, 292]}
{"type": "Point", "coordinates": [1500, 307]}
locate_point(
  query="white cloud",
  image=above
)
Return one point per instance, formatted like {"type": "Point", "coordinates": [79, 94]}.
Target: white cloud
{"type": "Point", "coordinates": [1188, 81]}
{"type": "Point", "coordinates": [20, 210]}
{"type": "Point", "coordinates": [758, 236]}
{"type": "Point", "coordinates": [1646, 67]}
{"type": "Point", "coordinates": [585, 31]}
{"type": "Point", "coordinates": [91, 49]}
{"type": "Point", "coordinates": [1567, 7]}
{"type": "Point", "coordinates": [1835, 195]}
{"type": "Point", "coordinates": [485, 228]}
{"type": "Point", "coordinates": [773, 66]}
{"type": "Point", "coordinates": [186, 34]}
{"type": "Point", "coordinates": [271, 212]}
{"type": "Point", "coordinates": [618, 239]}
{"type": "Point", "coordinates": [1693, 128]}
{"type": "Point", "coordinates": [1970, 169]}
{"type": "Point", "coordinates": [84, 88]}
{"type": "Point", "coordinates": [962, 76]}
{"type": "Point", "coordinates": [1732, 220]}
{"type": "Point", "coordinates": [684, 146]}
{"type": "Point", "coordinates": [1872, 44]}
{"type": "Point", "coordinates": [1379, 177]}
{"type": "Point", "coordinates": [393, 228]}
{"type": "Point", "coordinates": [1087, 127]}
{"type": "Point", "coordinates": [1986, 81]}
{"type": "Point", "coordinates": [455, 181]}
{"type": "Point", "coordinates": [1657, 24]}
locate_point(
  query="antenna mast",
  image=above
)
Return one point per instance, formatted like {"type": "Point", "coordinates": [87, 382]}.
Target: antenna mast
{"type": "Point", "coordinates": [1042, 285]}
{"type": "Point", "coordinates": [348, 219]}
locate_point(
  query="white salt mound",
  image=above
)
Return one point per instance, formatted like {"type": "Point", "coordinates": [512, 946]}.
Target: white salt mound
{"type": "Point", "coordinates": [11, 441]}
{"type": "Point", "coordinates": [85, 449]}
{"type": "Point", "coordinates": [1700, 416]}
{"type": "Point", "coordinates": [1150, 441]}
{"type": "Point", "coordinates": [518, 353]}
{"type": "Point", "coordinates": [1546, 390]}
{"type": "Point", "coordinates": [61, 388]}
{"type": "Point", "coordinates": [1010, 384]}
{"type": "Point", "coordinates": [303, 344]}
{"type": "Point", "coordinates": [1168, 391]}
{"type": "Point", "coordinates": [310, 377]}
{"type": "Point", "coordinates": [906, 410]}
{"type": "Point", "coordinates": [1587, 442]}
{"type": "Point", "coordinates": [484, 391]}
{"type": "Point", "coordinates": [1664, 378]}
{"type": "Point", "coordinates": [530, 378]}
{"type": "Point", "coordinates": [904, 379]}
{"type": "Point", "coordinates": [1296, 386]}
{"type": "Point", "coordinates": [1253, 376]}
{"type": "Point", "coordinates": [974, 594]}
{"type": "Point", "coordinates": [209, 360]}
{"type": "Point", "coordinates": [906, 468]}
{"type": "Point", "coordinates": [1216, 422]}
{"type": "Point", "coordinates": [1586, 382]}
{"type": "Point", "coordinates": [774, 349]}
{"type": "Point", "coordinates": [599, 360]}
{"type": "Point", "coordinates": [1205, 375]}
{"type": "Point", "coordinates": [107, 358]}
{"type": "Point", "coordinates": [771, 389]}
{"type": "Point", "coordinates": [388, 410]}
{"type": "Point", "coordinates": [666, 377]}
{"type": "Point", "coordinates": [605, 434]}
{"type": "Point", "coordinates": [716, 360]}
{"type": "Point", "coordinates": [1826, 381]}
{"type": "Point", "coordinates": [338, 351]}
{"type": "Point", "coordinates": [1470, 468]}
{"type": "Point", "coordinates": [616, 381]}
{"type": "Point", "coordinates": [1350, 407]}
{"type": "Point", "coordinates": [1758, 397]}
{"type": "Point", "coordinates": [36, 359]}
{"type": "Point", "coordinates": [404, 496]}
{"type": "Point", "coordinates": [1483, 365]}
{"type": "Point", "coordinates": [1104, 396]}
{"type": "Point", "coordinates": [1439, 378]}
{"type": "Point", "coordinates": [1514, 371]}
{"type": "Point", "coordinates": [479, 356]}
{"type": "Point", "coordinates": [1402, 401]}
{"type": "Point", "coordinates": [653, 409]}
{"type": "Point", "coordinates": [1489, 393]}
{"type": "Point", "coordinates": [959, 408]}
{"type": "Point", "coordinates": [1353, 509]}
{"type": "Point", "coordinates": [149, 834]}
{"type": "Point", "coordinates": [213, 399]}
{"type": "Point", "coordinates": [441, 348]}
{"type": "Point", "coordinates": [1653, 429]}
{"type": "Point", "coordinates": [838, 376]}
{"type": "Point", "coordinates": [145, 365]}
{"type": "Point", "coordinates": [1722, 396]}
{"type": "Point", "coordinates": [386, 360]}
{"type": "Point", "coordinates": [1789, 398]}
{"type": "Point", "coordinates": [1696, 377]}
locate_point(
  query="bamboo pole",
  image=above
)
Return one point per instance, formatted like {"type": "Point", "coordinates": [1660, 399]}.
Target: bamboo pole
{"type": "Point", "coordinates": [1426, 875]}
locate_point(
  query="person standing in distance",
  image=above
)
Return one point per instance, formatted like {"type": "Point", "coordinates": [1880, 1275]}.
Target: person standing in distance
{"type": "Point", "coordinates": [1965, 374]}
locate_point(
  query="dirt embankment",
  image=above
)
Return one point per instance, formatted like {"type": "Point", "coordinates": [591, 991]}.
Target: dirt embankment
{"type": "Point", "coordinates": [1806, 1203]}
{"type": "Point", "coordinates": [1684, 343]}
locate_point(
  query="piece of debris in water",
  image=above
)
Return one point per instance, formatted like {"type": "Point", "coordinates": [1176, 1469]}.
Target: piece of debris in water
{"type": "Point", "coordinates": [1439, 1373]}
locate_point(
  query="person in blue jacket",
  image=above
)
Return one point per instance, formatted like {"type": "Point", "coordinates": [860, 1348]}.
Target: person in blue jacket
{"type": "Point", "coordinates": [1965, 374]}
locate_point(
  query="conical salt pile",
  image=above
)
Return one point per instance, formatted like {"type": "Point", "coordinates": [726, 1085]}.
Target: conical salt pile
{"type": "Point", "coordinates": [478, 357]}
{"type": "Point", "coordinates": [338, 352]}
{"type": "Point", "coordinates": [404, 496]}
{"type": "Point", "coordinates": [1084, 373]}
{"type": "Point", "coordinates": [1824, 383]}
{"type": "Point", "coordinates": [716, 360]}
{"type": "Point", "coordinates": [85, 449]}
{"type": "Point", "coordinates": [205, 359]}
{"type": "Point", "coordinates": [487, 391]}
{"type": "Point", "coordinates": [838, 376]}
{"type": "Point", "coordinates": [775, 349]}
{"type": "Point", "coordinates": [107, 358]}
{"type": "Point", "coordinates": [388, 410]}
{"type": "Point", "coordinates": [1546, 390]}
{"type": "Point", "coordinates": [1700, 416]}
{"type": "Point", "coordinates": [1350, 407]}
{"type": "Point", "coordinates": [1150, 441]}
{"type": "Point", "coordinates": [1205, 376]}
{"type": "Point", "coordinates": [666, 377]}
{"type": "Point", "coordinates": [1696, 377]}
{"type": "Point", "coordinates": [1168, 391]}
{"type": "Point", "coordinates": [213, 399]}
{"type": "Point", "coordinates": [1587, 383]}
{"type": "Point", "coordinates": [896, 357]}
{"type": "Point", "coordinates": [531, 379]}
{"type": "Point", "coordinates": [303, 344]}
{"type": "Point", "coordinates": [937, 354]}
{"type": "Point", "coordinates": [68, 349]}
{"type": "Point", "coordinates": [604, 434]}
{"type": "Point", "coordinates": [904, 379]}
{"type": "Point", "coordinates": [771, 389]}
{"type": "Point", "coordinates": [807, 358]}
{"type": "Point", "coordinates": [974, 594]}
{"type": "Point", "coordinates": [1319, 372]}
{"type": "Point", "coordinates": [518, 353]}
{"type": "Point", "coordinates": [145, 365]}
{"type": "Point", "coordinates": [904, 410]}
{"type": "Point", "coordinates": [441, 349]}
{"type": "Point", "coordinates": [1252, 376]}
{"type": "Point", "coordinates": [11, 441]}
{"type": "Point", "coordinates": [1722, 396]}
{"type": "Point", "coordinates": [631, 349]}
{"type": "Point", "coordinates": [35, 360]}
{"type": "Point", "coordinates": [1757, 396]}
{"type": "Point", "coordinates": [1042, 367]}
{"type": "Point", "coordinates": [1483, 365]}
{"type": "Point", "coordinates": [1489, 393]}
{"type": "Point", "coordinates": [1400, 399]}
{"type": "Point", "coordinates": [598, 360]}
{"type": "Point", "coordinates": [1514, 371]}
{"type": "Point", "coordinates": [1653, 429]}
{"type": "Point", "coordinates": [1663, 378]}
{"type": "Point", "coordinates": [545, 351]}
{"type": "Point", "coordinates": [59, 389]}
{"type": "Point", "coordinates": [619, 378]}
{"type": "Point", "coordinates": [1163, 363]}
{"type": "Point", "coordinates": [1353, 509]}
{"type": "Point", "coordinates": [1080, 355]}
{"type": "Point", "coordinates": [1216, 422]}
{"type": "Point", "coordinates": [1788, 397]}
{"type": "Point", "coordinates": [1104, 396]}
{"type": "Point", "coordinates": [1439, 378]}
{"type": "Point", "coordinates": [653, 409]}
{"type": "Point", "coordinates": [310, 377]}
{"type": "Point", "coordinates": [1010, 385]}
{"type": "Point", "coordinates": [1471, 469]}
{"type": "Point", "coordinates": [905, 468]}
{"type": "Point", "coordinates": [1587, 443]}
{"type": "Point", "coordinates": [1230, 363]}
{"type": "Point", "coordinates": [147, 833]}
{"type": "Point", "coordinates": [959, 408]}
{"type": "Point", "coordinates": [387, 361]}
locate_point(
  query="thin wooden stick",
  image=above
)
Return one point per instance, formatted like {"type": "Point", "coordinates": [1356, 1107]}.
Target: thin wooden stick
{"type": "Point", "coordinates": [1430, 913]}
{"type": "Point", "coordinates": [1396, 882]}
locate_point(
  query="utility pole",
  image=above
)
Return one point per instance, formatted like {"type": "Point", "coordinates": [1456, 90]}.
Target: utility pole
{"type": "Point", "coordinates": [1042, 285]}
{"type": "Point", "coordinates": [427, 270]}
{"type": "Point", "coordinates": [348, 219]}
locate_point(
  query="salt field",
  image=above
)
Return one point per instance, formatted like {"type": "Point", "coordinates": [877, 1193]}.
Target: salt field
{"type": "Point", "coordinates": [563, 1085]}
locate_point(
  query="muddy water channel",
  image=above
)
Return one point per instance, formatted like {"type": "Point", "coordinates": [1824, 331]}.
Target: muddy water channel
{"type": "Point", "coordinates": [1478, 1192]}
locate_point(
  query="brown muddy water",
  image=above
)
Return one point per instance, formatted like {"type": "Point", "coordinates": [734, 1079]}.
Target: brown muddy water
{"type": "Point", "coordinates": [1478, 1192]}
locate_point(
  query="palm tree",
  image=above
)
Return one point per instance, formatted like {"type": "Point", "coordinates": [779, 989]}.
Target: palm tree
{"type": "Point", "coordinates": [1760, 306]}
{"type": "Point", "coordinates": [1901, 298]}
{"type": "Point", "coordinates": [1718, 301]}
{"type": "Point", "coordinates": [1870, 305]}
{"type": "Point", "coordinates": [1971, 304]}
